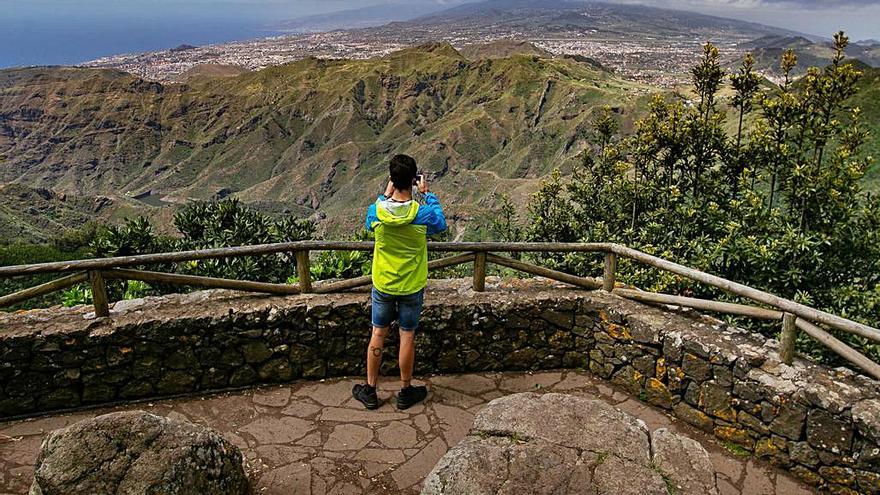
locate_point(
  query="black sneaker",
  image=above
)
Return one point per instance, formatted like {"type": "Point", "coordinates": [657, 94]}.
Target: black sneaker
{"type": "Point", "coordinates": [410, 396]}
{"type": "Point", "coordinates": [366, 395]}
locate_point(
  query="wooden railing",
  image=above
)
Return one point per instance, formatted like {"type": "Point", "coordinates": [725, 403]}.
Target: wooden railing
{"type": "Point", "coordinates": [793, 316]}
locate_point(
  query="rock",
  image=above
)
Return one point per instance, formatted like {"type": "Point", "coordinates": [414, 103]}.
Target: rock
{"type": "Point", "coordinates": [629, 378]}
{"type": "Point", "coordinates": [693, 416]}
{"type": "Point", "coordinates": [135, 453]}
{"type": "Point", "coordinates": [472, 468]}
{"type": "Point", "coordinates": [695, 368]}
{"type": "Point", "coordinates": [828, 432]}
{"type": "Point", "coordinates": [866, 416]}
{"type": "Point", "coordinates": [576, 423]}
{"type": "Point", "coordinates": [276, 370]}
{"type": "Point", "coordinates": [774, 449]}
{"type": "Point", "coordinates": [621, 478]}
{"type": "Point", "coordinates": [738, 436]}
{"type": "Point", "coordinates": [256, 352]}
{"type": "Point", "coordinates": [556, 443]}
{"type": "Point", "coordinates": [715, 401]}
{"type": "Point", "coordinates": [657, 394]}
{"type": "Point", "coordinates": [869, 482]}
{"type": "Point", "coordinates": [802, 453]}
{"type": "Point", "coordinates": [838, 475]}
{"type": "Point", "coordinates": [789, 421]}
{"type": "Point", "coordinates": [685, 461]}
{"type": "Point", "coordinates": [175, 382]}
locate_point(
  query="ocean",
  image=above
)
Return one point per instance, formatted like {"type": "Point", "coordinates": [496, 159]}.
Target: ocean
{"type": "Point", "coordinates": [67, 32]}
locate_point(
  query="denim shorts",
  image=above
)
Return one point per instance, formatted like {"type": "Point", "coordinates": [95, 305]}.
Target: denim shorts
{"type": "Point", "coordinates": [405, 309]}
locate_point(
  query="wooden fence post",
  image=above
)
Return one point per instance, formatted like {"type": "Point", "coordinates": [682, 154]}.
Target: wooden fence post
{"type": "Point", "coordinates": [788, 338]}
{"type": "Point", "coordinates": [99, 294]}
{"type": "Point", "coordinates": [480, 271]}
{"type": "Point", "coordinates": [610, 276]}
{"type": "Point", "coordinates": [302, 271]}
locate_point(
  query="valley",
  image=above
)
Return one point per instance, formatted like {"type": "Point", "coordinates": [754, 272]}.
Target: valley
{"type": "Point", "coordinates": [308, 138]}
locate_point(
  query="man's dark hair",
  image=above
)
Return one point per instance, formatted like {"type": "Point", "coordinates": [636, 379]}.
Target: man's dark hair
{"type": "Point", "coordinates": [403, 171]}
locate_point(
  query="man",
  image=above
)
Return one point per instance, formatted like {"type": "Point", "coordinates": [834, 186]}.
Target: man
{"type": "Point", "coordinates": [400, 273]}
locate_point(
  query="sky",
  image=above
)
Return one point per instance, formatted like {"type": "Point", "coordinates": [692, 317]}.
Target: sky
{"type": "Point", "coordinates": [40, 32]}
{"type": "Point", "coordinates": [859, 18]}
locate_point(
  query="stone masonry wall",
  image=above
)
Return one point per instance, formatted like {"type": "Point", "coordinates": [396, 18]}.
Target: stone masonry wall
{"type": "Point", "coordinates": [823, 425]}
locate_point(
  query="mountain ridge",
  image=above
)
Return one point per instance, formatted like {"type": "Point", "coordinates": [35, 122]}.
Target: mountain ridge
{"type": "Point", "coordinates": [558, 11]}
{"type": "Point", "coordinates": [767, 52]}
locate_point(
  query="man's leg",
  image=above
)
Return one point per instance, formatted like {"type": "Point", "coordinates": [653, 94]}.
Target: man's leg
{"type": "Point", "coordinates": [407, 357]}
{"type": "Point", "coordinates": [382, 314]}
{"type": "Point", "coordinates": [374, 355]}
{"type": "Point", "coordinates": [410, 314]}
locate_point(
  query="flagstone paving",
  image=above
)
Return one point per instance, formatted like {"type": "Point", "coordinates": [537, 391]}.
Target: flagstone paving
{"type": "Point", "coordinates": [312, 438]}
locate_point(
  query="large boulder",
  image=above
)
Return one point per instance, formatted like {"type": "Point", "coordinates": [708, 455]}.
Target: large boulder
{"type": "Point", "coordinates": [683, 461]}
{"type": "Point", "coordinates": [561, 444]}
{"type": "Point", "coordinates": [137, 453]}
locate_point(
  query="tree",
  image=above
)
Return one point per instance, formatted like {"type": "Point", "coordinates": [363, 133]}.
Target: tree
{"type": "Point", "coordinates": [745, 84]}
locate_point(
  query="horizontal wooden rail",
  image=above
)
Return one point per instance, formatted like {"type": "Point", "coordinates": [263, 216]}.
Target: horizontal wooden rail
{"type": "Point", "coordinates": [197, 281]}
{"type": "Point", "coordinates": [842, 350]}
{"type": "Point", "coordinates": [286, 247]}
{"type": "Point", "coordinates": [177, 257]}
{"type": "Point", "coordinates": [353, 283]}
{"type": "Point", "coordinates": [753, 294]}
{"type": "Point", "coordinates": [585, 282]}
{"type": "Point", "coordinates": [43, 289]}
{"type": "Point", "coordinates": [702, 304]}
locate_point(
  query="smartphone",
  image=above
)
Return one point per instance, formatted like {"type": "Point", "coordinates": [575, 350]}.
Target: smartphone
{"type": "Point", "coordinates": [419, 178]}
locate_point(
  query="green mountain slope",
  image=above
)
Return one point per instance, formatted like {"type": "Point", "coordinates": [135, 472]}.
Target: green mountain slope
{"type": "Point", "coordinates": [309, 136]}
{"type": "Point", "coordinates": [502, 49]}
{"type": "Point", "coordinates": [768, 51]}
{"type": "Point", "coordinates": [40, 215]}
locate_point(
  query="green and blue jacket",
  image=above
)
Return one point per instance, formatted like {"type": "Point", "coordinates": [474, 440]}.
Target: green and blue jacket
{"type": "Point", "coordinates": [400, 256]}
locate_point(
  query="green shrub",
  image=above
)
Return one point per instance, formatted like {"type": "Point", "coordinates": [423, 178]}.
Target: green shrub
{"type": "Point", "coordinates": [23, 254]}
{"type": "Point", "coordinates": [76, 296]}
{"type": "Point", "coordinates": [200, 226]}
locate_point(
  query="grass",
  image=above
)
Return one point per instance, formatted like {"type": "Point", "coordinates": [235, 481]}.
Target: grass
{"type": "Point", "coordinates": [513, 437]}
{"type": "Point", "coordinates": [735, 449]}
{"type": "Point", "coordinates": [671, 488]}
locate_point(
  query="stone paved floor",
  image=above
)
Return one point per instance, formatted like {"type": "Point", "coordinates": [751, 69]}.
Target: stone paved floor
{"type": "Point", "coordinates": [312, 438]}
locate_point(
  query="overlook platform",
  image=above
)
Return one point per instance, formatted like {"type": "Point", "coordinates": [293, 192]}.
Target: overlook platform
{"type": "Point", "coordinates": [312, 438]}
{"type": "Point", "coordinates": [821, 424]}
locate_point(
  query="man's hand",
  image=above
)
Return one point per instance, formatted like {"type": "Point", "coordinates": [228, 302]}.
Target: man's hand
{"type": "Point", "coordinates": [423, 185]}
{"type": "Point", "coordinates": [389, 189]}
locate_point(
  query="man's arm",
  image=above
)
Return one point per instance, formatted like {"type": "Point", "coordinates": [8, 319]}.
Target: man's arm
{"type": "Point", "coordinates": [371, 216]}
{"type": "Point", "coordinates": [431, 215]}
{"type": "Point", "coordinates": [371, 211]}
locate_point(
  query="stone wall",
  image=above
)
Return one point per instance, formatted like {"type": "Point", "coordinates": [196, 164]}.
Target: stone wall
{"type": "Point", "coordinates": [823, 425]}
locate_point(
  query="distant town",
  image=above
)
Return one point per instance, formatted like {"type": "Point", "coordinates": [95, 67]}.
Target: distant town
{"type": "Point", "coordinates": [663, 61]}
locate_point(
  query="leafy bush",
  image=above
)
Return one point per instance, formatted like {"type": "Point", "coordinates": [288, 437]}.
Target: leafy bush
{"type": "Point", "coordinates": [82, 293]}
{"type": "Point", "coordinates": [22, 254]}
{"type": "Point", "coordinates": [337, 265]}
{"type": "Point", "coordinates": [326, 265]}
{"type": "Point", "coordinates": [76, 296]}
{"type": "Point", "coordinates": [206, 226]}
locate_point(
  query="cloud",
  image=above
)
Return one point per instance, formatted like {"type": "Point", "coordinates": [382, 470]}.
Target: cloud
{"type": "Point", "coordinates": [752, 4]}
